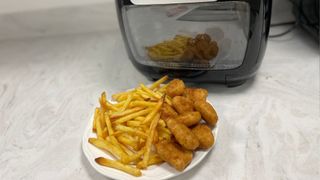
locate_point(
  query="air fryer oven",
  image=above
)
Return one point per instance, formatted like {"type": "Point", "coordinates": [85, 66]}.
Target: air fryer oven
{"type": "Point", "coordinates": [208, 41]}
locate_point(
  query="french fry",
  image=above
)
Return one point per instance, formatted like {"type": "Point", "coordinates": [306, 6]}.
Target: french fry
{"type": "Point", "coordinates": [159, 82]}
{"type": "Point", "coordinates": [128, 141]}
{"type": "Point", "coordinates": [133, 123]}
{"type": "Point", "coordinates": [141, 143]}
{"type": "Point", "coordinates": [149, 141]}
{"type": "Point", "coordinates": [104, 133]}
{"type": "Point", "coordinates": [108, 123]}
{"type": "Point", "coordinates": [137, 97]}
{"type": "Point", "coordinates": [132, 131]}
{"type": "Point", "coordinates": [154, 159]}
{"type": "Point", "coordinates": [131, 116]}
{"type": "Point", "coordinates": [119, 105]}
{"type": "Point", "coordinates": [142, 104]}
{"type": "Point", "coordinates": [122, 98]}
{"type": "Point", "coordinates": [143, 94]}
{"type": "Point", "coordinates": [103, 101]}
{"type": "Point", "coordinates": [167, 98]}
{"type": "Point", "coordinates": [155, 94]}
{"type": "Point", "coordinates": [109, 147]}
{"type": "Point", "coordinates": [102, 121]}
{"type": "Point", "coordinates": [127, 101]}
{"type": "Point", "coordinates": [117, 95]}
{"type": "Point", "coordinates": [124, 113]}
{"type": "Point", "coordinates": [149, 91]}
{"type": "Point", "coordinates": [99, 129]}
{"type": "Point", "coordinates": [165, 130]}
{"type": "Point", "coordinates": [163, 135]}
{"type": "Point", "coordinates": [95, 117]}
{"type": "Point", "coordinates": [136, 156]}
{"type": "Point", "coordinates": [117, 165]}
{"type": "Point", "coordinates": [162, 89]}
{"type": "Point", "coordinates": [139, 118]}
{"type": "Point", "coordinates": [127, 150]}
{"type": "Point", "coordinates": [117, 145]}
{"type": "Point", "coordinates": [161, 123]}
{"type": "Point", "coordinates": [153, 112]}
{"type": "Point", "coordinates": [112, 107]}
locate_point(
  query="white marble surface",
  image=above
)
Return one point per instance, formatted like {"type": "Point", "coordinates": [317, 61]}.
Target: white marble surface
{"type": "Point", "coordinates": [49, 86]}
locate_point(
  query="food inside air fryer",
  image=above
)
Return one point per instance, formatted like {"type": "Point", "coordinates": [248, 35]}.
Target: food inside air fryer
{"type": "Point", "coordinates": [147, 126]}
{"type": "Point", "coordinates": [184, 48]}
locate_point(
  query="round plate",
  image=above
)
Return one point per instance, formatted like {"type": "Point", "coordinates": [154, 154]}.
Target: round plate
{"type": "Point", "coordinates": [158, 172]}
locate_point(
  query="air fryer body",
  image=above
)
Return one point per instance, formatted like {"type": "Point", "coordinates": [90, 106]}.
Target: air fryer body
{"type": "Point", "coordinates": [258, 30]}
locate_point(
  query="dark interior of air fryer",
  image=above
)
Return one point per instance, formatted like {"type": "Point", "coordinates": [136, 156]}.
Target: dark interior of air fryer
{"type": "Point", "coordinates": [199, 36]}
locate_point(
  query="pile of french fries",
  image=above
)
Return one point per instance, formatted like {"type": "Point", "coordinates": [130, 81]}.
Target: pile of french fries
{"type": "Point", "coordinates": [129, 128]}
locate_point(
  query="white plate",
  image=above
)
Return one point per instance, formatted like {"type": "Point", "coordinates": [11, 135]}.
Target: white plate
{"type": "Point", "coordinates": [158, 172]}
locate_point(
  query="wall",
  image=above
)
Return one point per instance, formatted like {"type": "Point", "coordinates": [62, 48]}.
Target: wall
{"type": "Point", "coordinates": [10, 6]}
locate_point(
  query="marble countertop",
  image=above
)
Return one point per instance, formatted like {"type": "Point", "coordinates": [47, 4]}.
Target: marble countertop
{"type": "Point", "coordinates": [49, 87]}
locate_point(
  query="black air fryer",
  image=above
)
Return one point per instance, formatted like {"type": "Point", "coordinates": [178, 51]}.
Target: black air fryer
{"type": "Point", "coordinates": [215, 41]}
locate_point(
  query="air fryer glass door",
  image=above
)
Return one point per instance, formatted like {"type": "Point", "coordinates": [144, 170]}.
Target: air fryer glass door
{"type": "Point", "coordinates": [199, 36]}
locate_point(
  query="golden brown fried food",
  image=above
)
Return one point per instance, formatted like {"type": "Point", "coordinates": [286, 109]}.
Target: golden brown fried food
{"type": "Point", "coordinates": [204, 134]}
{"type": "Point", "coordinates": [175, 155]}
{"type": "Point", "coordinates": [183, 134]}
{"type": "Point", "coordinates": [207, 112]}
{"type": "Point", "coordinates": [202, 47]}
{"type": "Point", "coordinates": [196, 94]}
{"type": "Point", "coordinates": [175, 88]}
{"type": "Point", "coordinates": [182, 104]}
{"type": "Point", "coordinates": [189, 119]}
{"type": "Point", "coordinates": [167, 111]}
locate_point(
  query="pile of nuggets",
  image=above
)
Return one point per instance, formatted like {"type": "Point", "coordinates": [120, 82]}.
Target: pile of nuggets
{"type": "Point", "coordinates": [183, 118]}
{"type": "Point", "coordinates": [152, 125]}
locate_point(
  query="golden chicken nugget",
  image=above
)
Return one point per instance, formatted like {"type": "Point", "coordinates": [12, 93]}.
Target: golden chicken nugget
{"type": "Point", "coordinates": [196, 94]}
{"type": "Point", "coordinates": [183, 134]}
{"type": "Point", "coordinates": [204, 134]}
{"type": "Point", "coordinates": [175, 88]}
{"type": "Point", "coordinates": [167, 111]}
{"type": "Point", "coordinates": [175, 155]}
{"type": "Point", "coordinates": [189, 119]}
{"type": "Point", "coordinates": [182, 104]}
{"type": "Point", "coordinates": [207, 112]}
